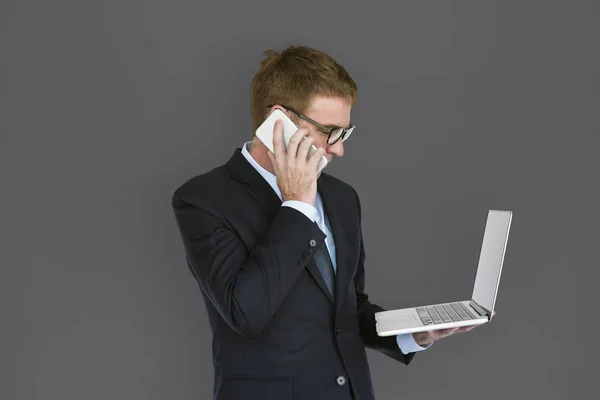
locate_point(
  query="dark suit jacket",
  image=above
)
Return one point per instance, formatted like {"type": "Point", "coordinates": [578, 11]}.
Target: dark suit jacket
{"type": "Point", "coordinates": [276, 333]}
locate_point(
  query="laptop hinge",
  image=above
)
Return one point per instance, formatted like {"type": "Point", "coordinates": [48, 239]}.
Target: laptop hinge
{"type": "Point", "coordinates": [481, 310]}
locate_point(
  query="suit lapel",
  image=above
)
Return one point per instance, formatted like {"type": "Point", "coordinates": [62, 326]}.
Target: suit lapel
{"type": "Point", "coordinates": [330, 204]}
{"type": "Point", "coordinates": [265, 196]}
{"type": "Point", "coordinates": [258, 188]}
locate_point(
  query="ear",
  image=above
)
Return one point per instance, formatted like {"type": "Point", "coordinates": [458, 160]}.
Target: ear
{"type": "Point", "coordinates": [279, 107]}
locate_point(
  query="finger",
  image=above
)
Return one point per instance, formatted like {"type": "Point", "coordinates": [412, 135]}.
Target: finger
{"type": "Point", "coordinates": [303, 148]}
{"type": "Point", "coordinates": [451, 331]}
{"type": "Point", "coordinates": [315, 158]}
{"type": "Point", "coordinates": [292, 149]}
{"type": "Point", "coordinates": [448, 331]}
{"type": "Point", "coordinates": [468, 328]}
{"type": "Point", "coordinates": [278, 145]}
{"type": "Point", "coordinates": [465, 329]}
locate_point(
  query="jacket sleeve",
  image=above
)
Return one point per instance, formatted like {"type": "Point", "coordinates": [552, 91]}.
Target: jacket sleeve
{"type": "Point", "coordinates": [366, 312]}
{"type": "Point", "coordinates": [246, 286]}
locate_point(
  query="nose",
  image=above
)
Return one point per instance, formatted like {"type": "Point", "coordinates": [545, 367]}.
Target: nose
{"type": "Point", "coordinates": [337, 149]}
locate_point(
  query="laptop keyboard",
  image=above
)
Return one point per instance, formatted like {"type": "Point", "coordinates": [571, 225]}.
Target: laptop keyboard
{"type": "Point", "coordinates": [452, 312]}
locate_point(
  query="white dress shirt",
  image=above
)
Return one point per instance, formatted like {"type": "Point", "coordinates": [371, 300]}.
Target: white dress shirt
{"type": "Point", "coordinates": [316, 213]}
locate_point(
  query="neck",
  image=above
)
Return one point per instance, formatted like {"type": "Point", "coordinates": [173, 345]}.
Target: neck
{"type": "Point", "coordinates": [259, 152]}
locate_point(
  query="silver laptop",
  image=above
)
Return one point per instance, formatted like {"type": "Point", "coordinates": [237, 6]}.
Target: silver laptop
{"type": "Point", "coordinates": [476, 311]}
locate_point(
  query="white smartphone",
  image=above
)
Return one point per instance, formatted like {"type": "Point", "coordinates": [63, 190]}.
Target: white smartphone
{"type": "Point", "coordinates": [265, 134]}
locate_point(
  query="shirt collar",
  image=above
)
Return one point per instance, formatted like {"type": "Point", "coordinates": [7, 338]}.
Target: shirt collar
{"type": "Point", "coordinates": [269, 177]}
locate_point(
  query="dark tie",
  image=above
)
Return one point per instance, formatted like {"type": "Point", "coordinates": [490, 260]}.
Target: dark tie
{"type": "Point", "coordinates": [323, 261]}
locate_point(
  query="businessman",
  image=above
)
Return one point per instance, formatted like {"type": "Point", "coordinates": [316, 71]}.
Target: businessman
{"type": "Point", "coordinates": [277, 249]}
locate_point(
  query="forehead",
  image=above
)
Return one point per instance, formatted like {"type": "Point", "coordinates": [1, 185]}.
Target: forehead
{"type": "Point", "coordinates": [329, 110]}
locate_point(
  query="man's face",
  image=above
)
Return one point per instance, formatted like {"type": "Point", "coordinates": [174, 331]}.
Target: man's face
{"type": "Point", "coordinates": [330, 112]}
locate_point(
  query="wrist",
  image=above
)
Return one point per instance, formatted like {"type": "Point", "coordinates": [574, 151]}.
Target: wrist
{"type": "Point", "coordinates": [300, 199]}
{"type": "Point", "coordinates": [420, 340]}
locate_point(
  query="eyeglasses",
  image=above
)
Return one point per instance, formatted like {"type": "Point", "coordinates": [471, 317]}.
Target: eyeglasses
{"type": "Point", "coordinates": [333, 133]}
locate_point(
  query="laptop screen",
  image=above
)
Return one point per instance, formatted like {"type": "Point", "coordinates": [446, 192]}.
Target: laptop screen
{"type": "Point", "coordinates": [491, 258]}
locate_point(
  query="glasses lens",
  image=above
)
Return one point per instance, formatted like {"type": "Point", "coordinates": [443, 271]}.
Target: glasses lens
{"type": "Point", "coordinates": [348, 132]}
{"type": "Point", "coordinates": [335, 135]}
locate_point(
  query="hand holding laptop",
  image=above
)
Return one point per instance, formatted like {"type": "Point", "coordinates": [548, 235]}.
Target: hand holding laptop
{"type": "Point", "coordinates": [428, 337]}
{"type": "Point", "coordinates": [433, 322]}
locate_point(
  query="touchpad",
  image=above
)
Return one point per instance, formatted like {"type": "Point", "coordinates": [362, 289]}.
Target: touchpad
{"type": "Point", "coordinates": [404, 317]}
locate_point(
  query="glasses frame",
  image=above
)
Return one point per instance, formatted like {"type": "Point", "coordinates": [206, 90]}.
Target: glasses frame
{"type": "Point", "coordinates": [329, 131]}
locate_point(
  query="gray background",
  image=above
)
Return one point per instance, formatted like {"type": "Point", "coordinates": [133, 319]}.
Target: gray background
{"type": "Point", "coordinates": [107, 106]}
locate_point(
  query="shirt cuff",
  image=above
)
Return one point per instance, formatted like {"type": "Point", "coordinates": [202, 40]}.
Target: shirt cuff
{"type": "Point", "coordinates": [406, 343]}
{"type": "Point", "coordinates": [307, 209]}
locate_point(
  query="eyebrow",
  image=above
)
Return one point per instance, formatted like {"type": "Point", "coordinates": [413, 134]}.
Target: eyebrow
{"type": "Point", "coordinates": [330, 126]}
{"type": "Point", "coordinates": [335, 126]}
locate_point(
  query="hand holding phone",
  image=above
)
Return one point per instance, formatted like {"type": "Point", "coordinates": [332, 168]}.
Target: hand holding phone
{"type": "Point", "coordinates": [296, 171]}
{"type": "Point", "coordinates": [265, 134]}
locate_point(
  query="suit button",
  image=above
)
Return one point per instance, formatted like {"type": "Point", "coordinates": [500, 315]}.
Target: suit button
{"type": "Point", "coordinates": [340, 380]}
{"type": "Point", "coordinates": [312, 243]}
{"type": "Point", "coordinates": [337, 330]}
